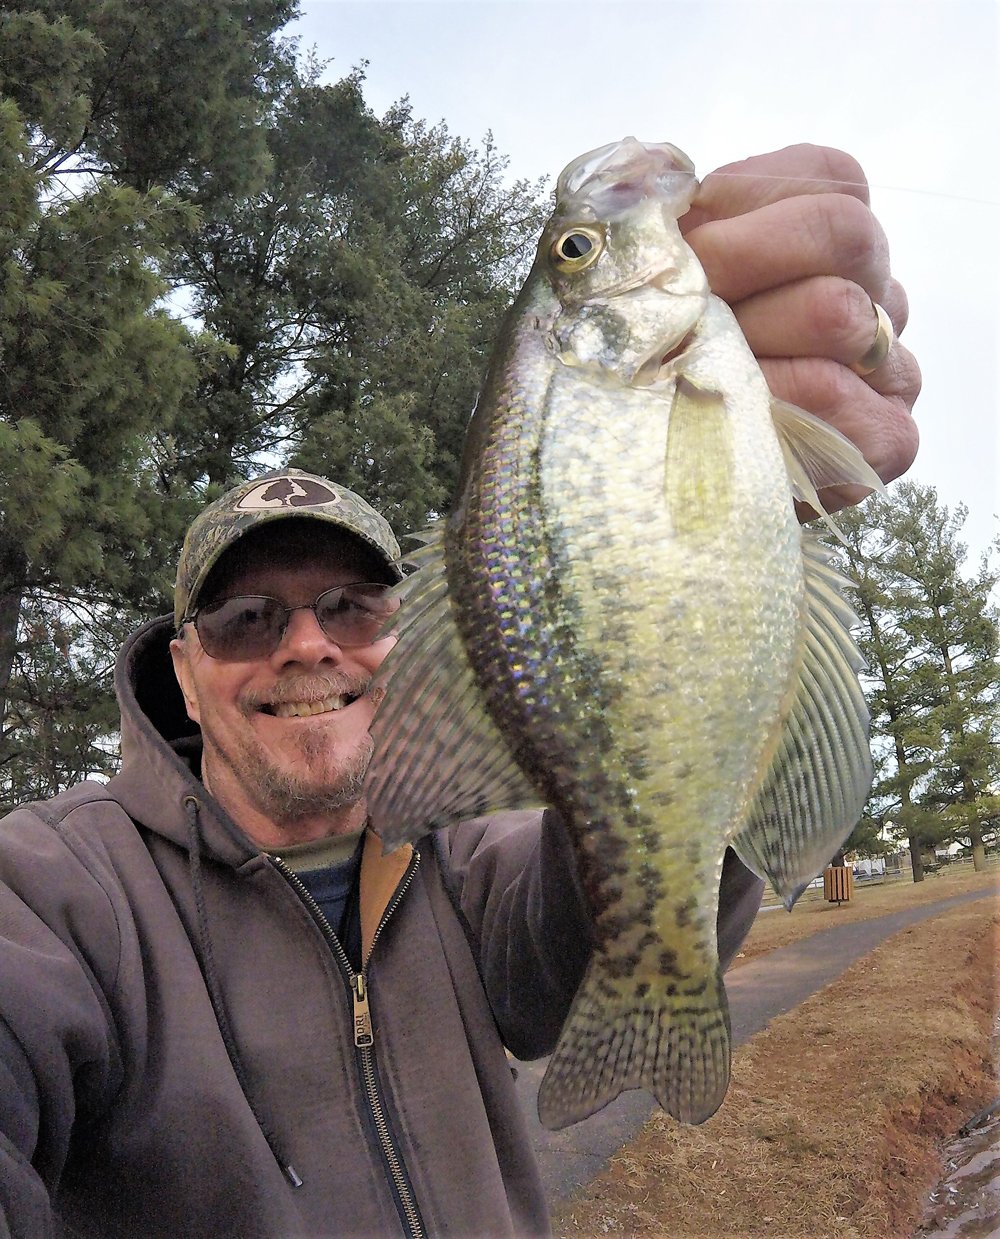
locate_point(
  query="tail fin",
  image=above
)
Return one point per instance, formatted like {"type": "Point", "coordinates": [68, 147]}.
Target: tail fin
{"type": "Point", "coordinates": [676, 1046]}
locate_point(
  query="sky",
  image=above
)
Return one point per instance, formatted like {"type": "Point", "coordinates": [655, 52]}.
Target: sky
{"type": "Point", "coordinates": [910, 89]}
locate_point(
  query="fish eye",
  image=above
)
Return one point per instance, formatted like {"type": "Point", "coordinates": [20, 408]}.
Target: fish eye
{"type": "Point", "coordinates": [577, 248]}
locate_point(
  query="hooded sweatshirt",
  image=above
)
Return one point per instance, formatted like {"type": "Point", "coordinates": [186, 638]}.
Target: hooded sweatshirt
{"type": "Point", "coordinates": [186, 1051]}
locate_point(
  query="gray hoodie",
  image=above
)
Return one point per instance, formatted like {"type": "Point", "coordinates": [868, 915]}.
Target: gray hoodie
{"type": "Point", "coordinates": [185, 1051]}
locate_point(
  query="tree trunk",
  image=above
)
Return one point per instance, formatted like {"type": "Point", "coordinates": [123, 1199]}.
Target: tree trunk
{"type": "Point", "coordinates": [978, 851]}
{"type": "Point", "coordinates": [13, 571]}
{"type": "Point", "coordinates": [916, 860]}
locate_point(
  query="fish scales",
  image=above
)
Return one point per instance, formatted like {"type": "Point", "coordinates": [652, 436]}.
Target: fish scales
{"type": "Point", "coordinates": [636, 624]}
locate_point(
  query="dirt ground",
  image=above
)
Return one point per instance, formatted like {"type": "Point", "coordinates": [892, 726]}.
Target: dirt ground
{"type": "Point", "coordinates": [812, 913]}
{"type": "Point", "coordinates": [835, 1112]}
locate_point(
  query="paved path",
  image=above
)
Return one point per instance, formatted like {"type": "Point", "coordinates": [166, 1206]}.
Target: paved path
{"type": "Point", "coordinates": [758, 991]}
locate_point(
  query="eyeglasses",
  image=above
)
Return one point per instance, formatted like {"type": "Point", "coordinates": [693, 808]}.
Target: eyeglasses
{"type": "Point", "coordinates": [241, 629]}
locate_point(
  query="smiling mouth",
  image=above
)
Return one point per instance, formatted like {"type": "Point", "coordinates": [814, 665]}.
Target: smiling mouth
{"type": "Point", "coordinates": [304, 709]}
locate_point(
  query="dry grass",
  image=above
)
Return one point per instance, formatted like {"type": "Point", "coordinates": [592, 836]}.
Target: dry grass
{"type": "Point", "coordinates": [812, 913]}
{"type": "Point", "coordinates": [832, 1118]}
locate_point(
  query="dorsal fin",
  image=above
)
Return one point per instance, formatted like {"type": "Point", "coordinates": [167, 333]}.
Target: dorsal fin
{"type": "Point", "coordinates": [439, 758]}
{"type": "Point", "coordinates": [816, 788]}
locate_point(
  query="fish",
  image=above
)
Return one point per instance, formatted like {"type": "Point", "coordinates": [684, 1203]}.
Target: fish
{"type": "Point", "coordinates": [622, 618]}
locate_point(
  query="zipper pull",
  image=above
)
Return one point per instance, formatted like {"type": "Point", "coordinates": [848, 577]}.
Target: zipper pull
{"type": "Point", "coordinates": [362, 1018]}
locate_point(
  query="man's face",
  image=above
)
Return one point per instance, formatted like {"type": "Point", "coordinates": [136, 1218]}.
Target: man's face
{"type": "Point", "coordinates": [286, 736]}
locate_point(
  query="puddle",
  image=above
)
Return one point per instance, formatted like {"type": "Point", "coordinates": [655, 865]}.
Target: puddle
{"type": "Point", "coordinates": [966, 1203]}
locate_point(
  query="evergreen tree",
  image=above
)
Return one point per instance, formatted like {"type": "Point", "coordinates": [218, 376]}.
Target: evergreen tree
{"type": "Point", "coordinates": [357, 293]}
{"type": "Point", "coordinates": [949, 617]}
{"type": "Point", "coordinates": [344, 276]}
{"type": "Point", "coordinates": [95, 120]}
{"type": "Point", "coordinates": [930, 637]}
{"type": "Point", "coordinates": [162, 94]}
{"type": "Point", "coordinates": [87, 367]}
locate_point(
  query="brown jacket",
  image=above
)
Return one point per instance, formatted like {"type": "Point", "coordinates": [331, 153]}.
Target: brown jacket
{"type": "Point", "coordinates": [177, 1032]}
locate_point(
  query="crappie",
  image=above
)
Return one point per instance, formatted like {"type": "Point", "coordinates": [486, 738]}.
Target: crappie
{"type": "Point", "coordinates": [623, 619]}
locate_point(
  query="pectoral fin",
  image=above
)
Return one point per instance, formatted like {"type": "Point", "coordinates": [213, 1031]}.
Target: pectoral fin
{"type": "Point", "coordinates": [816, 788]}
{"type": "Point", "coordinates": [698, 466]}
{"type": "Point", "coordinates": [816, 455]}
{"type": "Point", "coordinates": [439, 758]}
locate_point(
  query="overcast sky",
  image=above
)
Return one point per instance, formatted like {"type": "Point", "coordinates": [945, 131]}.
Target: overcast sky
{"type": "Point", "coordinates": [910, 89]}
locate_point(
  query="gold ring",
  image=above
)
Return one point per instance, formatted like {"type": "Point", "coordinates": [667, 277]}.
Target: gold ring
{"type": "Point", "coordinates": [881, 345]}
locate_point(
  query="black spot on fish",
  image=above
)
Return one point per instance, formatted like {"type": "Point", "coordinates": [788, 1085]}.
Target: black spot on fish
{"type": "Point", "coordinates": [621, 967]}
{"type": "Point", "coordinates": [668, 963]}
{"type": "Point", "coordinates": [637, 761]}
{"type": "Point", "coordinates": [617, 632]}
{"type": "Point", "coordinates": [698, 989]}
{"type": "Point", "coordinates": [613, 924]}
{"type": "Point", "coordinates": [662, 799]}
{"type": "Point", "coordinates": [651, 880]}
{"type": "Point", "coordinates": [683, 913]}
{"type": "Point", "coordinates": [642, 989]}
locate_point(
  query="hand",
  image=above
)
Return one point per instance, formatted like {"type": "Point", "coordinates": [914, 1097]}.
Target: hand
{"type": "Point", "coordinates": [788, 240]}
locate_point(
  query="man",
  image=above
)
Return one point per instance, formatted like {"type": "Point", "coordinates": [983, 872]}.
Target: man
{"type": "Point", "coordinates": [224, 1011]}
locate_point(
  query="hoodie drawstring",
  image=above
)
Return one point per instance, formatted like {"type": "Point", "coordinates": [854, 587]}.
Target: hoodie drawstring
{"type": "Point", "coordinates": [191, 807]}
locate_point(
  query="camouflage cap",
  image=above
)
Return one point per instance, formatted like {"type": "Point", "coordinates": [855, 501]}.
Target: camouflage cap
{"type": "Point", "coordinates": [270, 497]}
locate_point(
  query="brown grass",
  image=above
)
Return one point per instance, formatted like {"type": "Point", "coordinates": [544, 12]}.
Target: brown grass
{"type": "Point", "coordinates": [812, 913]}
{"type": "Point", "coordinates": [832, 1118]}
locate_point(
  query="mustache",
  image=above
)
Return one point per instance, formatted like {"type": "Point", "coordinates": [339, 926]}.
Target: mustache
{"type": "Point", "coordinates": [304, 688]}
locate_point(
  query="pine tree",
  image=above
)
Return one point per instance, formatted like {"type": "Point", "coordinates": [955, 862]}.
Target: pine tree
{"type": "Point", "coordinates": [357, 293]}
{"type": "Point", "coordinates": [211, 262]}
{"type": "Point", "coordinates": [930, 637]}
{"type": "Point", "coordinates": [950, 618]}
{"type": "Point", "coordinates": [94, 133]}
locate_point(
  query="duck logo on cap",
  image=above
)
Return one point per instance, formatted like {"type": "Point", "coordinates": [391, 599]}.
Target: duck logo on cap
{"type": "Point", "coordinates": [287, 492]}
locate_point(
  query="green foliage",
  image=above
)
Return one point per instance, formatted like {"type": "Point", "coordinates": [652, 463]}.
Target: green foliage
{"type": "Point", "coordinates": [102, 121]}
{"type": "Point", "coordinates": [866, 840]}
{"type": "Point", "coordinates": [358, 294]}
{"type": "Point", "coordinates": [930, 635]}
{"type": "Point", "coordinates": [46, 69]}
{"type": "Point", "coordinates": [62, 721]}
{"type": "Point", "coordinates": [210, 262]}
{"type": "Point", "coordinates": [165, 93]}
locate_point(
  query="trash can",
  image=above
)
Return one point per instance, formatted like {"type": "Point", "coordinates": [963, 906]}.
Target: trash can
{"type": "Point", "coordinates": [838, 883]}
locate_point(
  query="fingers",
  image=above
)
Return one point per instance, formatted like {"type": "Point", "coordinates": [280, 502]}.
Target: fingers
{"type": "Point", "coordinates": [749, 184]}
{"type": "Point", "coordinates": [824, 316]}
{"type": "Point", "coordinates": [788, 240]}
{"type": "Point", "coordinates": [794, 239]}
{"type": "Point", "coordinates": [873, 412]}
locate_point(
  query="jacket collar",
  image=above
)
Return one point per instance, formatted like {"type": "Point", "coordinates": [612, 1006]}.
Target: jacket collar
{"type": "Point", "coordinates": [155, 779]}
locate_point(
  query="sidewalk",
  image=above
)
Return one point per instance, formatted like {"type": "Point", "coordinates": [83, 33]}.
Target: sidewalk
{"type": "Point", "coordinates": [758, 991]}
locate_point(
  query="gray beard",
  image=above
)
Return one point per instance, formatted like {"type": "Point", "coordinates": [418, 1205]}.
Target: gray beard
{"type": "Point", "coordinates": [284, 798]}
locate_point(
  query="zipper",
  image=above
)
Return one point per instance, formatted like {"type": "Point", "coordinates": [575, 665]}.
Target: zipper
{"type": "Point", "coordinates": [364, 1039]}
